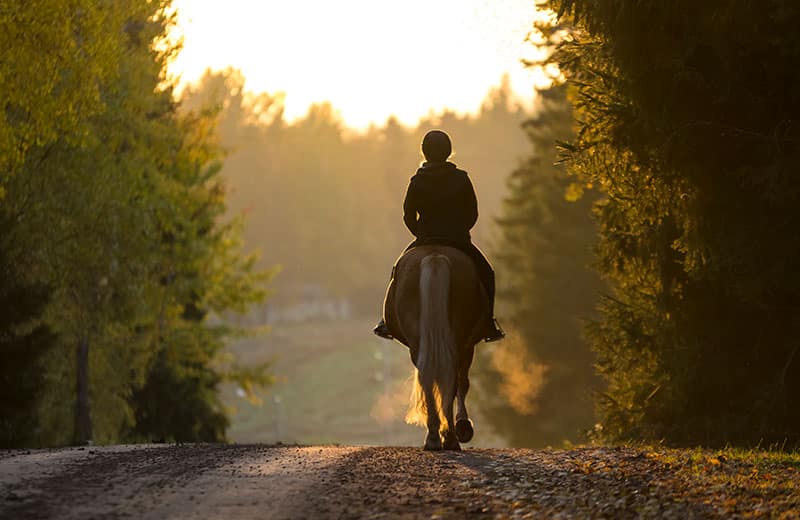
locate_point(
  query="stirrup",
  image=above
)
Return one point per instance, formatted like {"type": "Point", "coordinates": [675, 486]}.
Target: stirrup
{"type": "Point", "coordinates": [496, 334]}
{"type": "Point", "coordinates": [382, 331]}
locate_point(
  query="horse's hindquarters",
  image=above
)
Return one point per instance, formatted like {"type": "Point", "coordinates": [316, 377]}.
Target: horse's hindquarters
{"type": "Point", "coordinates": [468, 311]}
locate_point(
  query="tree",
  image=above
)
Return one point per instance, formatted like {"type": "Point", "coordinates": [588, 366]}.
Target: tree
{"type": "Point", "coordinates": [55, 62]}
{"type": "Point", "coordinates": [548, 288]}
{"type": "Point", "coordinates": [688, 124]}
{"type": "Point", "coordinates": [23, 344]}
{"type": "Point", "coordinates": [204, 272]}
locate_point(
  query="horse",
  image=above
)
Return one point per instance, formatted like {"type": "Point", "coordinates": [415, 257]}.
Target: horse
{"type": "Point", "coordinates": [437, 307]}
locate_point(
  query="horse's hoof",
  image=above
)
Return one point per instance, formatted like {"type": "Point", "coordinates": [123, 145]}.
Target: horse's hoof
{"type": "Point", "coordinates": [432, 443]}
{"type": "Point", "coordinates": [464, 430]}
{"type": "Point", "coordinates": [450, 442]}
{"type": "Point", "coordinates": [452, 445]}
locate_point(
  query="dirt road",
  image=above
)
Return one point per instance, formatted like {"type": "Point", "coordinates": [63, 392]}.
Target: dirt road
{"type": "Point", "coordinates": [254, 481]}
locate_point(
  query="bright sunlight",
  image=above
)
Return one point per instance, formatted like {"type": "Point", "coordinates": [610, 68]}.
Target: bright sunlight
{"type": "Point", "coordinates": [371, 59]}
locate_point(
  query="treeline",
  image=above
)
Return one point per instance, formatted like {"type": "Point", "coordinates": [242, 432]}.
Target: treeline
{"type": "Point", "coordinates": [325, 202]}
{"type": "Point", "coordinates": [677, 128]}
{"type": "Point", "coordinates": [688, 123]}
{"type": "Point", "coordinates": [113, 248]}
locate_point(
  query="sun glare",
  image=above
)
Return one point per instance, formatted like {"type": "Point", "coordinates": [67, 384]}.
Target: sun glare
{"type": "Point", "coordinates": [369, 58]}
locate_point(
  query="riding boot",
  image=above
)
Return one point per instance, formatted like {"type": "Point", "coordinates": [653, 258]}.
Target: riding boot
{"type": "Point", "coordinates": [494, 332]}
{"type": "Point", "coordinates": [382, 330]}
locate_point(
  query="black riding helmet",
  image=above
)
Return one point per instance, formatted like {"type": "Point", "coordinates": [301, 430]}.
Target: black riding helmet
{"type": "Point", "coordinates": [436, 146]}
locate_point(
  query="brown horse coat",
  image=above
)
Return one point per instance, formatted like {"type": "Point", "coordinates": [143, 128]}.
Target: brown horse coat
{"type": "Point", "coordinates": [468, 310]}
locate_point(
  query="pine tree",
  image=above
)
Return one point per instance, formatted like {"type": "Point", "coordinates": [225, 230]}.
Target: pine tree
{"type": "Point", "coordinates": [688, 124]}
{"type": "Point", "coordinates": [548, 288]}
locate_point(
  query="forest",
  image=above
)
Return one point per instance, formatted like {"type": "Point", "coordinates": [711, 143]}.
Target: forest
{"type": "Point", "coordinates": [642, 218]}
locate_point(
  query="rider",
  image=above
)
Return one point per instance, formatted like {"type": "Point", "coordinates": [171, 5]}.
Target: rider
{"type": "Point", "coordinates": [440, 208]}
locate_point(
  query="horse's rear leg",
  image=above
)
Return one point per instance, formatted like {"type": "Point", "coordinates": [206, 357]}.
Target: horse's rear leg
{"type": "Point", "coordinates": [464, 430]}
{"type": "Point", "coordinates": [450, 437]}
{"type": "Point", "coordinates": [433, 441]}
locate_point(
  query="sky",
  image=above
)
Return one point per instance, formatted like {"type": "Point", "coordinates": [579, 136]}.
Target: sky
{"type": "Point", "coordinates": [370, 58]}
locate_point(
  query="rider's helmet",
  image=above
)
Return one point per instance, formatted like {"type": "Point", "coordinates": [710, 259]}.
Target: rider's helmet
{"type": "Point", "coordinates": [436, 146]}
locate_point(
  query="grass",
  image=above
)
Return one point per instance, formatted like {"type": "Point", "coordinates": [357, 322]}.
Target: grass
{"type": "Point", "coordinates": [735, 482]}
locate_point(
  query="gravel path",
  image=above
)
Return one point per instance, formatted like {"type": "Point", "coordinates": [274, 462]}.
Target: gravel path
{"type": "Point", "coordinates": [254, 481]}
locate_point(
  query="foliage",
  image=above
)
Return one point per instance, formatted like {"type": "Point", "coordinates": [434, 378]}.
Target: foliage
{"type": "Point", "coordinates": [55, 60]}
{"type": "Point", "coordinates": [23, 343]}
{"type": "Point", "coordinates": [125, 224]}
{"type": "Point", "coordinates": [546, 283]}
{"type": "Point", "coordinates": [179, 400]}
{"type": "Point", "coordinates": [688, 123]}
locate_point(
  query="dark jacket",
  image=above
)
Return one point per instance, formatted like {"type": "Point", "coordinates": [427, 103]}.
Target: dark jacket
{"type": "Point", "coordinates": [440, 203]}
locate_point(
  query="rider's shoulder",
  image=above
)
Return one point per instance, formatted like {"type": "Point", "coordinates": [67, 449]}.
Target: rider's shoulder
{"type": "Point", "coordinates": [438, 168]}
{"type": "Point", "coordinates": [457, 170]}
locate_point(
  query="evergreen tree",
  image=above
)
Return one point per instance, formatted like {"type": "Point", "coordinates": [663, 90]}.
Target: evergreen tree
{"type": "Point", "coordinates": [548, 287]}
{"type": "Point", "coordinates": [204, 272]}
{"type": "Point", "coordinates": [689, 125]}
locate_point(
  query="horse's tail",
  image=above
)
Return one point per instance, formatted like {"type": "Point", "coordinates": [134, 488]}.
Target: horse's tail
{"type": "Point", "coordinates": [435, 360]}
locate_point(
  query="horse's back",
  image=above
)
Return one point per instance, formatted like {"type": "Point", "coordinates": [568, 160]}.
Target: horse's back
{"type": "Point", "coordinates": [467, 300]}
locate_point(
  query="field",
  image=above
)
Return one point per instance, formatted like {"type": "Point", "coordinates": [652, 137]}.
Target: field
{"type": "Point", "coordinates": [337, 384]}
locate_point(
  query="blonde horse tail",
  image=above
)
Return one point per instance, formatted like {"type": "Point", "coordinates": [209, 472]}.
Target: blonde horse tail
{"type": "Point", "coordinates": [435, 361]}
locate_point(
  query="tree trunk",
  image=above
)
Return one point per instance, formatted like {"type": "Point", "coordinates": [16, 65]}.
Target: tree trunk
{"type": "Point", "coordinates": [83, 419]}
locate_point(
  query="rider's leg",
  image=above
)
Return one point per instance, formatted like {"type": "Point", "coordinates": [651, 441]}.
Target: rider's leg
{"type": "Point", "coordinates": [381, 329]}
{"type": "Point", "coordinates": [486, 275]}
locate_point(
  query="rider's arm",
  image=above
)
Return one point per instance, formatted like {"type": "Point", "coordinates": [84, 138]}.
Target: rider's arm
{"type": "Point", "coordinates": [410, 209]}
{"type": "Point", "coordinates": [470, 206]}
